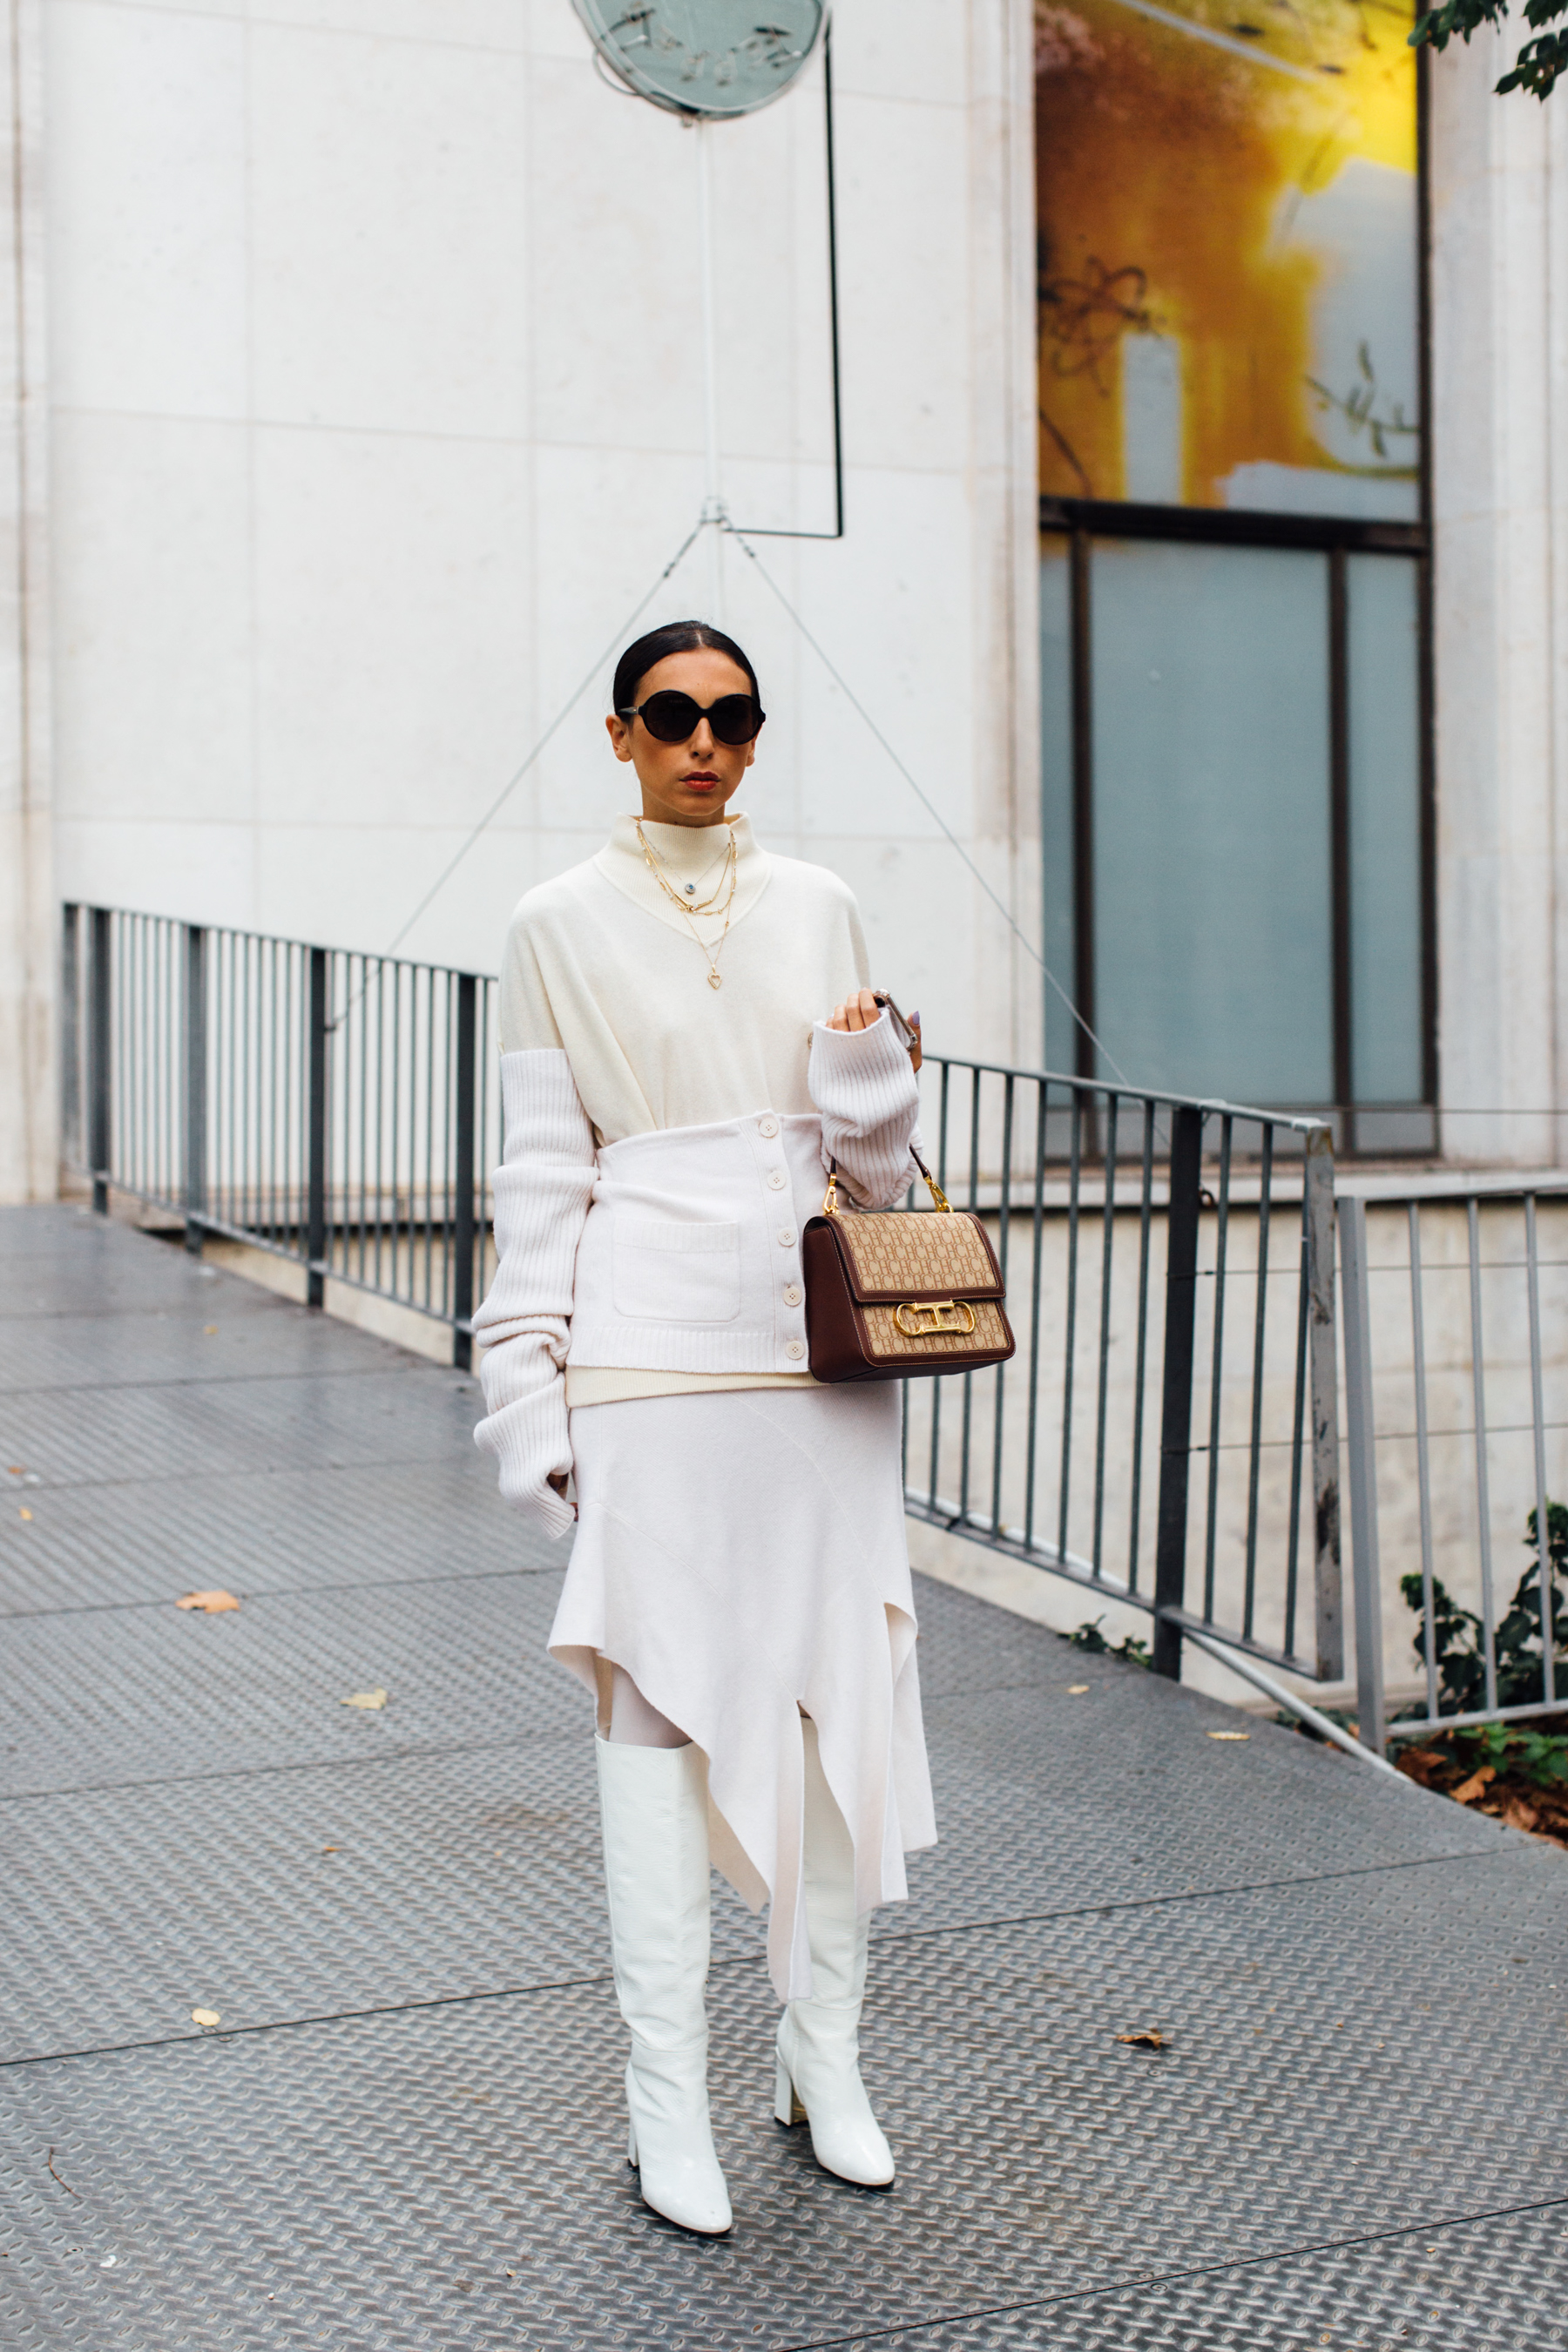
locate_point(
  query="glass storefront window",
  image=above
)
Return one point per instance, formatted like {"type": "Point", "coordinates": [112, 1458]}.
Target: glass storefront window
{"type": "Point", "coordinates": [1234, 547]}
{"type": "Point", "coordinates": [1213, 931]}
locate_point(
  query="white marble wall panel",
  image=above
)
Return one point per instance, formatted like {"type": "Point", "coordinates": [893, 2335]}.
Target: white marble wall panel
{"type": "Point", "coordinates": [392, 596]}
{"type": "Point", "coordinates": [1500, 459]}
{"type": "Point", "coordinates": [29, 934]}
{"type": "Point", "coordinates": [379, 394]}
{"type": "Point", "coordinates": [199, 870]}
{"type": "Point", "coordinates": [903, 197]}
{"type": "Point", "coordinates": [389, 255]}
{"type": "Point", "coordinates": [155, 647]}
{"type": "Point", "coordinates": [146, 209]}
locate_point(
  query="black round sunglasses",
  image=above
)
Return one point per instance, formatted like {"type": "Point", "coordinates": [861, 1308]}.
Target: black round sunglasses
{"type": "Point", "coordinates": [672, 717]}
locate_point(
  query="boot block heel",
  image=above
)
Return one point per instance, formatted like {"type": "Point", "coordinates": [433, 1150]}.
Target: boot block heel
{"type": "Point", "coordinates": [787, 2109]}
{"type": "Point", "coordinates": [631, 2144]}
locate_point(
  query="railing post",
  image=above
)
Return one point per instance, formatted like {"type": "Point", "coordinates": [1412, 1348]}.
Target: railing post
{"type": "Point", "coordinates": [100, 1018]}
{"type": "Point", "coordinates": [71, 1139]}
{"type": "Point", "coordinates": [1177, 1411]}
{"type": "Point", "coordinates": [1360, 1434]}
{"type": "Point", "coordinates": [316, 1174]}
{"type": "Point", "coordinates": [463, 1175]}
{"type": "Point", "coordinates": [196, 1077]}
{"type": "Point", "coordinates": [1324, 1383]}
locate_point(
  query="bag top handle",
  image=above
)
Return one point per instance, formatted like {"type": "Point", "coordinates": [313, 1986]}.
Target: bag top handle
{"type": "Point", "coordinates": [939, 1197]}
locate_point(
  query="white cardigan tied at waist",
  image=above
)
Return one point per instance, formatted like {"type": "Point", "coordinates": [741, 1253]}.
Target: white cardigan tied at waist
{"type": "Point", "coordinates": [678, 1251]}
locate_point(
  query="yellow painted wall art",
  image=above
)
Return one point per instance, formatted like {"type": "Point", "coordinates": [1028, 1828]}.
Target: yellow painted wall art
{"type": "Point", "coordinates": [1228, 254]}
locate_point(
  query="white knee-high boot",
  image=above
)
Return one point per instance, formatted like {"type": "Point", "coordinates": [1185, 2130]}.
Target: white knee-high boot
{"type": "Point", "coordinates": [653, 1802]}
{"type": "Point", "coordinates": [818, 2075]}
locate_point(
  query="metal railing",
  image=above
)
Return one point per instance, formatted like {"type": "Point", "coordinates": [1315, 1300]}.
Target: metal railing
{"type": "Point", "coordinates": [335, 1109]}
{"type": "Point", "coordinates": [1165, 1437]}
{"type": "Point", "coordinates": [1456, 1433]}
{"type": "Point", "coordinates": [1138, 1444]}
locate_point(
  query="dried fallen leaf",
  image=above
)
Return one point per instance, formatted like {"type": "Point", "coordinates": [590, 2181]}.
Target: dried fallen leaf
{"type": "Point", "coordinates": [375, 1698]}
{"type": "Point", "coordinates": [26, 1515]}
{"type": "Point", "coordinates": [206, 2017]}
{"type": "Point", "coordinates": [1227, 1735]}
{"type": "Point", "coordinates": [1468, 1791]}
{"type": "Point", "coordinates": [332, 1849]}
{"type": "Point", "coordinates": [1146, 2038]}
{"type": "Point", "coordinates": [209, 1331]}
{"type": "Point", "coordinates": [1075, 1690]}
{"type": "Point", "coordinates": [1521, 1814]}
{"type": "Point", "coordinates": [211, 1602]}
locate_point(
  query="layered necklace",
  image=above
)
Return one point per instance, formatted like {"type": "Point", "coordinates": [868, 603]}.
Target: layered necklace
{"type": "Point", "coordinates": [690, 906]}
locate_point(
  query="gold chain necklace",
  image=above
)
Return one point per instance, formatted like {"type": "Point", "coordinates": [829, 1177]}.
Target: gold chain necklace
{"type": "Point", "coordinates": [684, 900]}
{"type": "Point", "coordinates": [733, 862]}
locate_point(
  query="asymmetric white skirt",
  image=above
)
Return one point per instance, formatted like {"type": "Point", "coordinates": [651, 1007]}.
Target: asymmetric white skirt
{"type": "Point", "coordinates": [741, 1554]}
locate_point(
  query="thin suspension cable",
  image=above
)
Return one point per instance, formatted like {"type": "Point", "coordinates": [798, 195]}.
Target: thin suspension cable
{"type": "Point", "coordinates": [840, 681]}
{"type": "Point", "coordinates": [564, 712]}
{"type": "Point", "coordinates": [920, 794]}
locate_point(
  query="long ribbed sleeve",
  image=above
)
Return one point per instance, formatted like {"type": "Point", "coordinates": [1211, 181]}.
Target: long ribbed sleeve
{"type": "Point", "coordinates": [863, 1083]}
{"type": "Point", "coordinates": [542, 1193]}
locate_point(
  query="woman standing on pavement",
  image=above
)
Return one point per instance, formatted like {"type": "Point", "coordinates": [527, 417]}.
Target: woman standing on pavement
{"type": "Point", "coordinates": [738, 1598]}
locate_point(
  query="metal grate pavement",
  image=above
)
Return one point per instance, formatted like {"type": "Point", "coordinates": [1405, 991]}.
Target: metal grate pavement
{"type": "Point", "coordinates": [406, 2133]}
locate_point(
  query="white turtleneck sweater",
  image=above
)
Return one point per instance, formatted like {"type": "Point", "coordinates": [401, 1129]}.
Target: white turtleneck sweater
{"type": "Point", "coordinates": [601, 966]}
{"type": "Point", "coordinates": [600, 963]}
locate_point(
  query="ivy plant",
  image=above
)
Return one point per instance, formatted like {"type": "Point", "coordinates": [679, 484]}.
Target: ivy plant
{"type": "Point", "coordinates": [1539, 62]}
{"type": "Point", "coordinates": [1457, 1634]}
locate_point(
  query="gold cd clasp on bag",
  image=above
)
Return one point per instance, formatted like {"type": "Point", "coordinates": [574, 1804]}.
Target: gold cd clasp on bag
{"type": "Point", "coordinates": [936, 1308]}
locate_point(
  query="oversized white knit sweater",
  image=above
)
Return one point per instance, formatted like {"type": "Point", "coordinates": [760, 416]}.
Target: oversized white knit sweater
{"type": "Point", "coordinates": [665, 1140]}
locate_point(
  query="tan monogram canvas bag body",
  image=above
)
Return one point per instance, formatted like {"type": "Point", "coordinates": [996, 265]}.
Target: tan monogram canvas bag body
{"type": "Point", "coordinates": [893, 1293]}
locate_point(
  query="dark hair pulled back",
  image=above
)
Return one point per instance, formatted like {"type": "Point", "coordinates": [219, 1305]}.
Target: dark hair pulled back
{"type": "Point", "coordinates": [674, 637]}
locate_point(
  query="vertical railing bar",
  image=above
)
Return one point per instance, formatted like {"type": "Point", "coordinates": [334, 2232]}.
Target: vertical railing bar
{"type": "Point", "coordinates": [1423, 1458]}
{"type": "Point", "coordinates": [1483, 1483]}
{"type": "Point", "coordinates": [1255, 1464]}
{"type": "Point", "coordinates": [431, 1131]}
{"type": "Point", "coordinates": [1004, 1228]}
{"type": "Point", "coordinates": [936, 1386]}
{"type": "Point", "coordinates": [1543, 1508]}
{"type": "Point", "coordinates": [365, 980]}
{"type": "Point", "coordinates": [1107, 1246]}
{"type": "Point", "coordinates": [196, 1071]}
{"type": "Point", "coordinates": [1222, 1238]}
{"type": "Point", "coordinates": [129, 1027]}
{"type": "Point", "coordinates": [70, 1096]}
{"type": "Point", "coordinates": [248, 1129]}
{"type": "Point", "coordinates": [1041, 1092]}
{"type": "Point", "coordinates": [150, 1057]}
{"type": "Point", "coordinates": [101, 1002]}
{"type": "Point", "coordinates": [1177, 1387]}
{"type": "Point", "coordinates": [277, 1115]}
{"type": "Point", "coordinates": [386, 1204]}
{"type": "Point", "coordinates": [172, 1057]}
{"type": "Point", "coordinates": [1361, 1434]}
{"type": "Point", "coordinates": [968, 1377]}
{"type": "Point", "coordinates": [1145, 1220]}
{"type": "Point", "coordinates": [133, 1048]}
{"type": "Point", "coordinates": [1323, 1387]}
{"type": "Point", "coordinates": [1069, 1338]}
{"type": "Point", "coordinates": [316, 1208]}
{"type": "Point", "coordinates": [1297, 1424]}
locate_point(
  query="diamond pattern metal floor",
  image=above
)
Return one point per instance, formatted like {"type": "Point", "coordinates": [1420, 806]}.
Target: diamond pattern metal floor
{"type": "Point", "coordinates": [406, 2132]}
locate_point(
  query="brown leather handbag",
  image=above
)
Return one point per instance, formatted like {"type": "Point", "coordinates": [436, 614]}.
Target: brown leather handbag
{"type": "Point", "coordinates": [891, 1295]}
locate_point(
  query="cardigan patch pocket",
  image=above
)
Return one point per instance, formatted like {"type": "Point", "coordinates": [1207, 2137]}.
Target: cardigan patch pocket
{"type": "Point", "coordinates": [668, 1273]}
